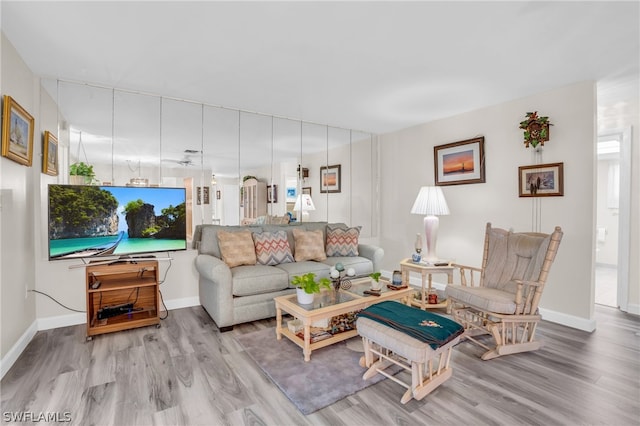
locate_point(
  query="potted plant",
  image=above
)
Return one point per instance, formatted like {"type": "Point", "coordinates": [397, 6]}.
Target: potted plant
{"type": "Point", "coordinates": [307, 286]}
{"type": "Point", "coordinates": [375, 281]}
{"type": "Point", "coordinates": [81, 174]}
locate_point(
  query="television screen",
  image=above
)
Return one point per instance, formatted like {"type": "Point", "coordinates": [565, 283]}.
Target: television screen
{"type": "Point", "coordinates": [90, 221]}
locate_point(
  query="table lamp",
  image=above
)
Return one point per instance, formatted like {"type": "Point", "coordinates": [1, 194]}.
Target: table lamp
{"type": "Point", "coordinates": [304, 204]}
{"type": "Point", "coordinates": [431, 203]}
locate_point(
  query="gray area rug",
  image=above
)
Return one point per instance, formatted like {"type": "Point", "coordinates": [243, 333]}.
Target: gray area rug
{"type": "Point", "coordinates": [332, 374]}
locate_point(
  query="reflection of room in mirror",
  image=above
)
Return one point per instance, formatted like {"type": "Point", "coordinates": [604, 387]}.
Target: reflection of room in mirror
{"type": "Point", "coordinates": [167, 140]}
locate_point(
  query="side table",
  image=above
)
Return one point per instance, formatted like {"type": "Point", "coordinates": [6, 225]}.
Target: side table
{"type": "Point", "coordinates": [408, 265]}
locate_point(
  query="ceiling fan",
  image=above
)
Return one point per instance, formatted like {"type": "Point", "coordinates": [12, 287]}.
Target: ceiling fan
{"type": "Point", "coordinates": [186, 161]}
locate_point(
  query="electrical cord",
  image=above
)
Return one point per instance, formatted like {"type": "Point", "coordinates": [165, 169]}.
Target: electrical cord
{"type": "Point", "coordinates": [64, 306]}
{"type": "Point", "coordinates": [138, 289]}
{"type": "Point", "coordinates": [166, 311]}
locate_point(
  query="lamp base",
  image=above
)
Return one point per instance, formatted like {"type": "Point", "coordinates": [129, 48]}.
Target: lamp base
{"type": "Point", "coordinates": [431, 224]}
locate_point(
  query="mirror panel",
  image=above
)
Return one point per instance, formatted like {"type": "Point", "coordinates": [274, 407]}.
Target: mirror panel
{"type": "Point", "coordinates": [129, 135]}
{"type": "Point", "coordinates": [221, 155]}
{"type": "Point", "coordinates": [286, 158]}
{"type": "Point", "coordinates": [86, 112]}
{"type": "Point", "coordinates": [339, 163]}
{"type": "Point", "coordinates": [255, 161]}
{"type": "Point", "coordinates": [314, 156]}
{"type": "Point", "coordinates": [136, 138]}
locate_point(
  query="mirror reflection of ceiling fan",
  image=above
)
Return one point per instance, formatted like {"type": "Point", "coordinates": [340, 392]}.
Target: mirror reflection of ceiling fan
{"type": "Point", "coordinates": [187, 159]}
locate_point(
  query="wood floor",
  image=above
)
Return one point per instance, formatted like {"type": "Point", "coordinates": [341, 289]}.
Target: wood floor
{"type": "Point", "coordinates": [188, 373]}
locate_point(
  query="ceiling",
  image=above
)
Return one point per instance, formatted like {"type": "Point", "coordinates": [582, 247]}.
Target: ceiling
{"type": "Point", "coordinates": [373, 66]}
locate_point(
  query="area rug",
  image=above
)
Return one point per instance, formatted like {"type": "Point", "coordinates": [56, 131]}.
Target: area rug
{"type": "Point", "coordinates": [332, 374]}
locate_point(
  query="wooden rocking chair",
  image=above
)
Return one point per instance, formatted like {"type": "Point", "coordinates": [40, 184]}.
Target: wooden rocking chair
{"type": "Point", "coordinates": [504, 303]}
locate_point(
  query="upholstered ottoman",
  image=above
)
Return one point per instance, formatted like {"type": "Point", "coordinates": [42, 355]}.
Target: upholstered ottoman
{"type": "Point", "coordinates": [396, 334]}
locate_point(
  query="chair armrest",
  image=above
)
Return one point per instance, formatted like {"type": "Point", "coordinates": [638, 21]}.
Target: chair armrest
{"type": "Point", "coordinates": [373, 253]}
{"type": "Point", "coordinates": [467, 276]}
{"type": "Point", "coordinates": [527, 296]}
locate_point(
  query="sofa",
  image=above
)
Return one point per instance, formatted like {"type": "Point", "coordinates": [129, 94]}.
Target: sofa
{"type": "Point", "coordinates": [242, 268]}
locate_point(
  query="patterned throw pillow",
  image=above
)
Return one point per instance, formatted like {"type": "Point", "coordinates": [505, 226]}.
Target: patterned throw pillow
{"type": "Point", "coordinates": [272, 248]}
{"type": "Point", "coordinates": [342, 241]}
{"type": "Point", "coordinates": [237, 248]}
{"type": "Point", "coordinates": [309, 245]}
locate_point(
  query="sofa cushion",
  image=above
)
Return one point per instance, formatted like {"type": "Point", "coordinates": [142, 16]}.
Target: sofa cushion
{"type": "Point", "coordinates": [342, 241]}
{"type": "Point", "coordinates": [258, 279]}
{"type": "Point", "coordinates": [237, 248]}
{"type": "Point", "coordinates": [208, 237]}
{"type": "Point", "coordinates": [309, 245]}
{"type": "Point", "coordinates": [272, 248]}
{"type": "Point", "coordinates": [488, 299]}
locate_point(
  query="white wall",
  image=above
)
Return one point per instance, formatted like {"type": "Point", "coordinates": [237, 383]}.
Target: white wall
{"type": "Point", "coordinates": [18, 209]}
{"type": "Point", "coordinates": [408, 164]}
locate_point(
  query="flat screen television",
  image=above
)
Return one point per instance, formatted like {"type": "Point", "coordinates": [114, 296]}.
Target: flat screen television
{"type": "Point", "coordinates": [92, 221]}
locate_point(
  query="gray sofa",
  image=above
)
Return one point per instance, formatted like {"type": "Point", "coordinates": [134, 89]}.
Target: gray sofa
{"type": "Point", "coordinates": [245, 293]}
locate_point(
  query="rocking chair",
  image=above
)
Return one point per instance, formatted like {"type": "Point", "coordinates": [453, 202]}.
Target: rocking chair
{"type": "Point", "coordinates": [504, 303]}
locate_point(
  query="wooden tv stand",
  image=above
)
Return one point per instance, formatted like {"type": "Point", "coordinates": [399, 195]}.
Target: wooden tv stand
{"type": "Point", "coordinates": [127, 296]}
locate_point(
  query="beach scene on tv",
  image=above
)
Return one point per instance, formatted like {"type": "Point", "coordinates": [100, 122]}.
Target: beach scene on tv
{"type": "Point", "coordinates": [89, 221]}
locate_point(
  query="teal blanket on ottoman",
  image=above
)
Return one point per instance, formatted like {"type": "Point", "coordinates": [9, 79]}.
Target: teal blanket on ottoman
{"type": "Point", "coordinates": [427, 327]}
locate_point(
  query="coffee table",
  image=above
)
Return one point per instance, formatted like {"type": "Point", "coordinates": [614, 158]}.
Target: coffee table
{"type": "Point", "coordinates": [329, 304]}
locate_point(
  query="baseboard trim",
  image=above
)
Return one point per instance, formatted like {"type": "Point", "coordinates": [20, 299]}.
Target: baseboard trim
{"type": "Point", "coordinates": [48, 323]}
{"type": "Point", "coordinates": [61, 321]}
{"type": "Point", "coordinates": [572, 321]}
{"type": "Point", "coordinates": [16, 350]}
{"type": "Point", "coordinates": [633, 309]}
{"type": "Point", "coordinates": [185, 302]}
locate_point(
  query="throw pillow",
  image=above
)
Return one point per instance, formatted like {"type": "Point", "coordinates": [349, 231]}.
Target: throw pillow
{"type": "Point", "coordinates": [309, 245]}
{"type": "Point", "coordinates": [237, 248]}
{"type": "Point", "coordinates": [342, 241]}
{"type": "Point", "coordinates": [272, 248]}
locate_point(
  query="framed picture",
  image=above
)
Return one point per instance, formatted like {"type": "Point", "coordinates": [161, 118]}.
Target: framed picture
{"type": "Point", "coordinates": [203, 195]}
{"type": "Point", "coordinates": [541, 180]}
{"type": "Point", "coordinates": [272, 193]}
{"type": "Point", "coordinates": [306, 190]}
{"type": "Point", "coordinates": [49, 154]}
{"type": "Point", "coordinates": [292, 193]}
{"type": "Point", "coordinates": [459, 162]}
{"type": "Point", "coordinates": [218, 194]}
{"type": "Point", "coordinates": [17, 132]}
{"type": "Point", "coordinates": [330, 179]}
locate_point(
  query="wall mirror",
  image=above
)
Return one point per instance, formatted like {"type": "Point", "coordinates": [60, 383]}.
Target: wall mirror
{"type": "Point", "coordinates": [134, 138]}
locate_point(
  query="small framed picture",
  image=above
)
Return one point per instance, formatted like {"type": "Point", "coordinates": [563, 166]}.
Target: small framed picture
{"type": "Point", "coordinates": [291, 194]}
{"type": "Point", "coordinates": [541, 180]}
{"type": "Point", "coordinates": [306, 190]}
{"type": "Point", "coordinates": [17, 132]}
{"type": "Point", "coordinates": [272, 193]}
{"type": "Point", "coordinates": [218, 194]}
{"type": "Point", "coordinates": [202, 195]}
{"type": "Point", "coordinates": [330, 179]}
{"type": "Point", "coordinates": [49, 154]}
{"type": "Point", "coordinates": [459, 162]}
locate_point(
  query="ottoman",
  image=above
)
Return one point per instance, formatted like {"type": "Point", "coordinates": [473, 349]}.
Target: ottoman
{"type": "Point", "coordinates": [418, 341]}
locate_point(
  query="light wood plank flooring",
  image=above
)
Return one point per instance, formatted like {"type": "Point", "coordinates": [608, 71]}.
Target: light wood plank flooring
{"type": "Point", "coordinates": [188, 373]}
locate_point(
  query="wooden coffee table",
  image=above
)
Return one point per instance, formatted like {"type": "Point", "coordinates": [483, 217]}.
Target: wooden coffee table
{"type": "Point", "coordinates": [327, 305]}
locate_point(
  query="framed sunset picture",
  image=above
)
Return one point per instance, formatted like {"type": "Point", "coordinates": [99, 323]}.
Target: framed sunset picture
{"type": "Point", "coordinates": [459, 162]}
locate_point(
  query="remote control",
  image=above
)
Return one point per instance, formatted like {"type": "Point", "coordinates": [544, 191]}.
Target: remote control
{"type": "Point", "coordinates": [96, 284]}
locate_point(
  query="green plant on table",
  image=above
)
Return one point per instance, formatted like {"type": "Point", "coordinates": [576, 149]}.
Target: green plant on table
{"type": "Point", "coordinates": [309, 284]}
{"type": "Point", "coordinates": [375, 276]}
